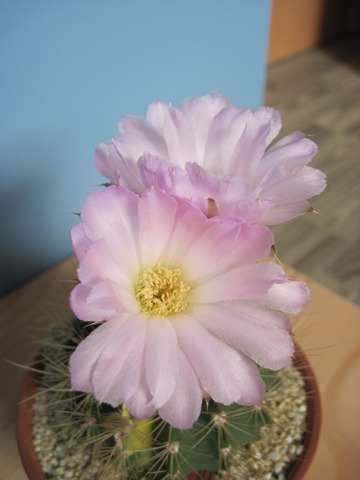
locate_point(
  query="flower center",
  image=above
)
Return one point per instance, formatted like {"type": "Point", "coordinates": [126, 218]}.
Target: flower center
{"type": "Point", "coordinates": [160, 291]}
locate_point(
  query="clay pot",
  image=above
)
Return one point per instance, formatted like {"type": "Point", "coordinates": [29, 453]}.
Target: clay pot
{"type": "Point", "coordinates": [24, 424]}
{"type": "Point", "coordinates": [296, 470]}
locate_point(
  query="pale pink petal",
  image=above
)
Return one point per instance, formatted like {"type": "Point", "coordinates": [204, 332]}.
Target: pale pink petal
{"type": "Point", "coordinates": [289, 297]}
{"type": "Point", "coordinates": [201, 111]}
{"type": "Point", "coordinates": [84, 360]}
{"type": "Point", "coordinates": [242, 175]}
{"type": "Point", "coordinates": [179, 137]}
{"type": "Point", "coordinates": [228, 193]}
{"type": "Point", "coordinates": [105, 213]}
{"type": "Point", "coordinates": [109, 214]}
{"type": "Point", "coordinates": [214, 240]}
{"type": "Point", "coordinates": [98, 265]}
{"type": "Point", "coordinates": [120, 365]}
{"type": "Point", "coordinates": [234, 242]}
{"type": "Point", "coordinates": [155, 171]}
{"type": "Point", "coordinates": [293, 152]}
{"type": "Point", "coordinates": [260, 129]}
{"type": "Point", "coordinates": [139, 404]}
{"type": "Point", "coordinates": [161, 362]}
{"type": "Point", "coordinates": [281, 188]}
{"type": "Point", "coordinates": [224, 133]}
{"type": "Point", "coordinates": [138, 135]}
{"type": "Point", "coordinates": [272, 116]}
{"type": "Point", "coordinates": [252, 385]}
{"type": "Point", "coordinates": [79, 241]}
{"type": "Point", "coordinates": [221, 370]}
{"type": "Point", "coordinates": [282, 213]}
{"type": "Point", "coordinates": [120, 170]}
{"type": "Point", "coordinates": [183, 407]}
{"type": "Point", "coordinates": [242, 283]}
{"type": "Point", "coordinates": [255, 309]}
{"type": "Point", "coordinates": [260, 333]}
{"type": "Point", "coordinates": [154, 235]}
{"type": "Point", "coordinates": [85, 310]}
{"type": "Point", "coordinates": [176, 130]}
{"type": "Point", "coordinates": [156, 114]}
{"type": "Point", "coordinates": [107, 162]}
{"type": "Point", "coordinates": [190, 225]}
{"type": "Point", "coordinates": [110, 295]}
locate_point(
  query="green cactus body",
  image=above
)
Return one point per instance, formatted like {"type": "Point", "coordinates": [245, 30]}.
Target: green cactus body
{"type": "Point", "coordinates": [114, 445]}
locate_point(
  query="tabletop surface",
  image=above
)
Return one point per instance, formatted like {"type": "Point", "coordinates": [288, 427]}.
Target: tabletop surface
{"type": "Point", "coordinates": [327, 330]}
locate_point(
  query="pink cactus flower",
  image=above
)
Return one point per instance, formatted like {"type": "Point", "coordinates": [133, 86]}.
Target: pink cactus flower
{"type": "Point", "coordinates": [185, 308]}
{"type": "Point", "coordinates": [218, 156]}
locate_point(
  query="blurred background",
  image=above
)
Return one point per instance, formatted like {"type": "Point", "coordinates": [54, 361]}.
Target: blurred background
{"type": "Point", "coordinates": [71, 70]}
{"type": "Point", "coordinates": [313, 79]}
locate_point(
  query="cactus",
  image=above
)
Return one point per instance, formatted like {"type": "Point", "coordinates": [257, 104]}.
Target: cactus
{"type": "Point", "coordinates": [108, 443]}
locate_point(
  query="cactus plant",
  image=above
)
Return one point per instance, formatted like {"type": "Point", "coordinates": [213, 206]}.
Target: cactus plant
{"type": "Point", "coordinates": [181, 314]}
{"type": "Point", "coordinates": [76, 437]}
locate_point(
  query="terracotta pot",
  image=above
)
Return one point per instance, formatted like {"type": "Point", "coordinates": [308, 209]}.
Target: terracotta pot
{"type": "Point", "coordinates": [296, 470]}
{"type": "Point", "coordinates": [24, 424]}
{"type": "Point", "coordinates": [299, 467]}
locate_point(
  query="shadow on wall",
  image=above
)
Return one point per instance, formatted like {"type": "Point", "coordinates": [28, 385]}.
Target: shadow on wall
{"type": "Point", "coordinates": [30, 236]}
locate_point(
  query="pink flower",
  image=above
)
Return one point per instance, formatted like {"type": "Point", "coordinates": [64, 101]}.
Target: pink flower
{"type": "Point", "coordinates": [185, 308]}
{"type": "Point", "coordinates": [218, 156]}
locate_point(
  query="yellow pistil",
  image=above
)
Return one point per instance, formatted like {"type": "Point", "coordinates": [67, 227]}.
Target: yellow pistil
{"type": "Point", "coordinates": [160, 291]}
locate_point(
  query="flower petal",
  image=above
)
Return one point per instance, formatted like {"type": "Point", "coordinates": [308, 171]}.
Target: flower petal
{"type": "Point", "coordinates": [154, 236]}
{"type": "Point", "coordinates": [224, 133]}
{"type": "Point", "coordinates": [242, 176]}
{"type": "Point", "coordinates": [252, 385]}
{"type": "Point", "coordinates": [201, 111]}
{"type": "Point", "coordinates": [293, 151]}
{"type": "Point", "coordinates": [155, 171]}
{"type": "Point", "coordinates": [261, 127]}
{"type": "Point", "coordinates": [84, 360]}
{"type": "Point", "coordinates": [98, 264]}
{"type": "Point", "coordinates": [109, 214]}
{"type": "Point", "coordinates": [120, 364]}
{"type": "Point", "coordinates": [259, 333]}
{"type": "Point", "coordinates": [281, 188]}
{"type": "Point", "coordinates": [112, 163]}
{"type": "Point", "coordinates": [88, 311]}
{"type": "Point", "coordinates": [242, 283]}
{"type": "Point", "coordinates": [183, 407]}
{"type": "Point", "coordinates": [79, 241]}
{"type": "Point", "coordinates": [281, 213]}
{"type": "Point", "coordinates": [139, 404]}
{"type": "Point", "coordinates": [233, 242]}
{"type": "Point", "coordinates": [228, 193]}
{"type": "Point", "coordinates": [222, 372]}
{"type": "Point", "coordinates": [161, 363]}
{"type": "Point", "coordinates": [289, 297]}
{"type": "Point", "coordinates": [179, 137]}
{"type": "Point", "coordinates": [138, 135]}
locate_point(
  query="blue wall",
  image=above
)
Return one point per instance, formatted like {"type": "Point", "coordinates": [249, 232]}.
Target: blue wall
{"type": "Point", "coordinates": [70, 69]}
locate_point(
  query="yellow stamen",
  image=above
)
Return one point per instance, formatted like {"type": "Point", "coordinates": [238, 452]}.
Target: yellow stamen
{"type": "Point", "coordinates": [160, 291]}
